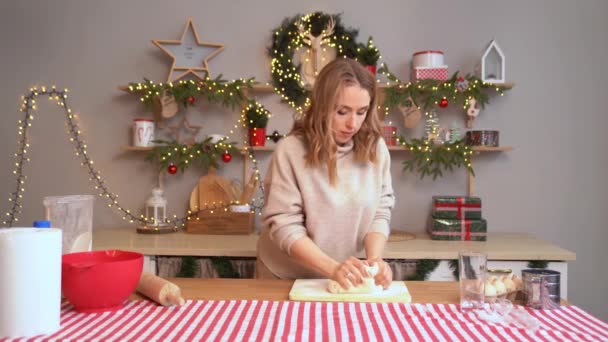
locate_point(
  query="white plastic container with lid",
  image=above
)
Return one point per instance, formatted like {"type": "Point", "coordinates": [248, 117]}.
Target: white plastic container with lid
{"type": "Point", "coordinates": [427, 58]}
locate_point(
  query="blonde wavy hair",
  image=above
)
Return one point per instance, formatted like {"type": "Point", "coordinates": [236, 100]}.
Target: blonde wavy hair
{"type": "Point", "coordinates": [315, 126]}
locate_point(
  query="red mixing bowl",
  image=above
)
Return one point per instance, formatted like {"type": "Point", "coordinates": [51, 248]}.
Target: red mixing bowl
{"type": "Point", "coordinates": [100, 280]}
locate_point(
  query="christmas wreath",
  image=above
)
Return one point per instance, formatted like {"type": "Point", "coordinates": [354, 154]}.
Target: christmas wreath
{"type": "Point", "coordinates": [299, 32]}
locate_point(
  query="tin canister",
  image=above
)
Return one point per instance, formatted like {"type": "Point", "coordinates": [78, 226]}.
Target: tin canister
{"type": "Point", "coordinates": [482, 138]}
{"type": "Point", "coordinates": [541, 288]}
{"type": "Point", "coordinates": [427, 59]}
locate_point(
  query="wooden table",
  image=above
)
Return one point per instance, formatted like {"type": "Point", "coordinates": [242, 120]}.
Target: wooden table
{"type": "Point", "coordinates": [278, 290]}
{"type": "Point", "coordinates": [431, 292]}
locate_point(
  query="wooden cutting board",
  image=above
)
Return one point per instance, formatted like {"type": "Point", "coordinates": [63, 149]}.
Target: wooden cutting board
{"type": "Point", "coordinates": [210, 190]}
{"type": "Point", "coordinates": [316, 290]}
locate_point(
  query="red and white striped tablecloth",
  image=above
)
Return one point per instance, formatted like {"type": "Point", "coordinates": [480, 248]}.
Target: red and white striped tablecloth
{"type": "Point", "coordinates": [243, 320]}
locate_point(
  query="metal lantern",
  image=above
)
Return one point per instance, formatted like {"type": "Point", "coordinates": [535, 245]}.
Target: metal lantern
{"type": "Point", "coordinates": [156, 208]}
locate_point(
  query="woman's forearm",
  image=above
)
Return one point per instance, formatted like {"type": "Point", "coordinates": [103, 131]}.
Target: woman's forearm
{"type": "Point", "coordinates": [311, 256]}
{"type": "Point", "coordinates": [374, 245]}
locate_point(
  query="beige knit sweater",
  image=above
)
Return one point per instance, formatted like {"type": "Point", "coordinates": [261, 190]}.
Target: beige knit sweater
{"type": "Point", "coordinates": [300, 202]}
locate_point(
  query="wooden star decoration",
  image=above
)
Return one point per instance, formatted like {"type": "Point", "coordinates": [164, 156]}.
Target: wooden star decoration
{"type": "Point", "coordinates": [189, 53]}
{"type": "Point", "coordinates": [185, 124]}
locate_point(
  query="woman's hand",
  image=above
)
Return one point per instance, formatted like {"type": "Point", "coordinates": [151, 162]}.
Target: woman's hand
{"type": "Point", "coordinates": [350, 272]}
{"type": "Point", "coordinates": [385, 274]}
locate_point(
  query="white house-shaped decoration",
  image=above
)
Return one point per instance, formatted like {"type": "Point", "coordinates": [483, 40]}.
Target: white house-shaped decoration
{"type": "Point", "coordinates": [493, 64]}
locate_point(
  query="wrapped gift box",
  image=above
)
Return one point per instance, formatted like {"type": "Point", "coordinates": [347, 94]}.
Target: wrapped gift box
{"type": "Point", "coordinates": [435, 73]}
{"type": "Point", "coordinates": [464, 230]}
{"type": "Point", "coordinates": [457, 207]}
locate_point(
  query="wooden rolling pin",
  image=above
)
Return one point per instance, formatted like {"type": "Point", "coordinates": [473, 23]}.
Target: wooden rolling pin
{"type": "Point", "coordinates": [160, 290]}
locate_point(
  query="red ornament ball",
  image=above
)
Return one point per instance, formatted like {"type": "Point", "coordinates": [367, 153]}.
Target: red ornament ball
{"type": "Point", "coordinates": [172, 169]}
{"type": "Point", "coordinates": [191, 100]}
{"type": "Point", "coordinates": [443, 103]}
{"type": "Point", "coordinates": [226, 157]}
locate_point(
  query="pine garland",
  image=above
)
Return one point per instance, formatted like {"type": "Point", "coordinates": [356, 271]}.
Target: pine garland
{"type": "Point", "coordinates": [368, 54]}
{"type": "Point", "coordinates": [188, 267]}
{"type": "Point", "coordinates": [217, 90]}
{"type": "Point", "coordinates": [183, 156]}
{"type": "Point", "coordinates": [538, 264]}
{"type": "Point", "coordinates": [455, 267]}
{"type": "Point", "coordinates": [256, 115]}
{"type": "Point", "coordinates": [224, 267]}
{"type": "Point", "coordinates": [423, 268]}
{"type": "Point", "coordinates": [427, 93]}
{"type": "Point", "coordinates": [430, 159]}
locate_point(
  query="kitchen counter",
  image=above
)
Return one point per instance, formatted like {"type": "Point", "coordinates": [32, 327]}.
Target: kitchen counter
{"type": "Point", "coordinates": [500, 246]}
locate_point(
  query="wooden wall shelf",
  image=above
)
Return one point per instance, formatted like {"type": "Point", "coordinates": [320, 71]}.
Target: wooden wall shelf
{"type": "Point", "coordinates": [135, 148]}
{"type": "Point", "coordinates": [401, 148]}
{"type": "Point", "coordinates": [270, 148]}
{"type": "Point", "coordinates": [267, 88]}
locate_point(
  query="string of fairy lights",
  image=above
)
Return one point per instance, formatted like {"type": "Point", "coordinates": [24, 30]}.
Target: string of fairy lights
{"type": "Point", "coordinates": [75, 136]}
{"type": "Point", "coordinates": [28, 107]}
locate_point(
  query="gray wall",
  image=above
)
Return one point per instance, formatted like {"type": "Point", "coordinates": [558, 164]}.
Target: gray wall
{"type": "Point", "coordinates": [552, 184]}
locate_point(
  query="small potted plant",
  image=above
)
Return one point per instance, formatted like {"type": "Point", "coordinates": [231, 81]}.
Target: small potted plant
{"type": "Point", "coordinates": [256, 117]}
{"type": "Point", "coordinates": [368, 55]}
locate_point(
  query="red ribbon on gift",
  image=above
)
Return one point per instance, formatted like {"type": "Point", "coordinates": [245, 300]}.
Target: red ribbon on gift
{"type": "Point", "coordinates": [460, 206]}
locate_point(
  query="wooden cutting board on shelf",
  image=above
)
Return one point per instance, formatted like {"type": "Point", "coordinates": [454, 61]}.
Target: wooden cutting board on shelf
{"type": "Point", "coordinates": [316, 290]}
{"type": "Point", "coordinates": [209, 190]}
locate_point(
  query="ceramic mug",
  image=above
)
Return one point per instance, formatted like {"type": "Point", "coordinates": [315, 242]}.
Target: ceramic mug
{"type": "Point", "coordinates": [215, 138]}
{"type": "Point", "coordinates": [143, 132]}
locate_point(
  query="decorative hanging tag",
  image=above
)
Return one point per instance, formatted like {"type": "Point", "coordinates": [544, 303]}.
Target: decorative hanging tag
{"type": "Point", "coordinates": [165, 106]}
{"type": "Point", "coordinates": [411, 114]}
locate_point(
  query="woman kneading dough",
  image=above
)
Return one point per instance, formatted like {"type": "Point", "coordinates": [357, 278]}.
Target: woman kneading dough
{"type": "Point", "coordinates": [328, 188]}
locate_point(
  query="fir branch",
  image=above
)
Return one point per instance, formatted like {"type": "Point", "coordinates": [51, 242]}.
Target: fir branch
{"type": "Point", "coordinates": [455, 267]}
{"type": "Point", "coordinates": [430, 159]}
{"type": "Point", "coordinates": [256, 115]}
{"type": "Point", "coordinates": [183, 156]}
{"type": "Point", "coordinates": [429, 92]}
{"type": "Point", "coordinates": [384, 70]}
{"type": "Point", "coordinates": [187, 268]}
{"type": "Point", "coordinates": [224, 267]}
{"type": "Point", "coordinates": [217, 90]}
{"type": "Point", "coordinates": [368, 54]}
{"type": "Point", "coordinates": [538, 264]}
{"type": "Point", "coordinates": [423, 268]}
